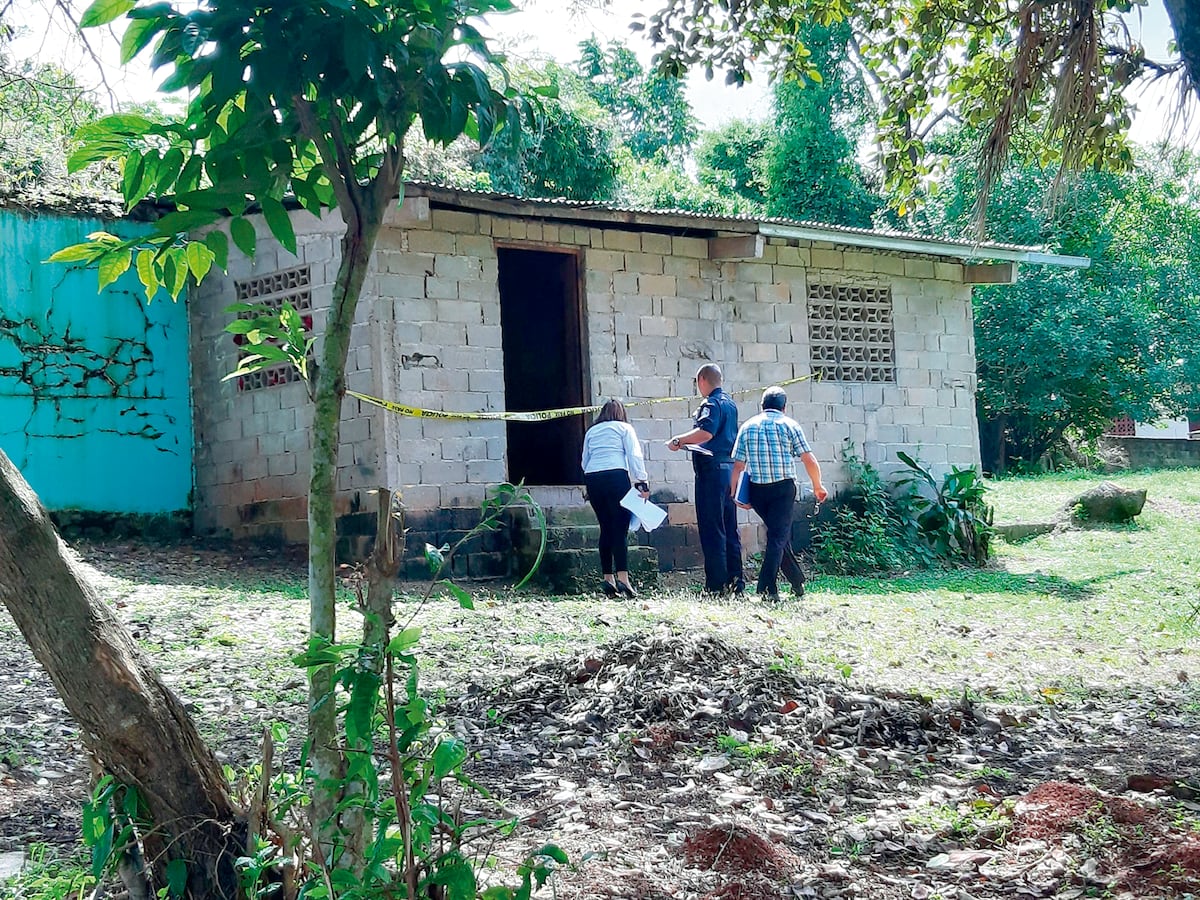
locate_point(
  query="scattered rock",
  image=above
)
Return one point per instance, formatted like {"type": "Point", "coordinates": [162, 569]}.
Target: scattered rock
{"type": "Point", "coordinates": [1107, 503]}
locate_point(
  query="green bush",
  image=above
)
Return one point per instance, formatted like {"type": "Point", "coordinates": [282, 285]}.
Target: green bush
{"type": "Point", "coordinates": [950, 515]}
{"type": "Point", "coordinates": [873, 529]}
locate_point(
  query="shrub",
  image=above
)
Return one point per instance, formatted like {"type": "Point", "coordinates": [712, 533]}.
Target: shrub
{"type": "Point", "coordinates": [872, 530]}
{"type": "Point", "coordinates": [951, 516]}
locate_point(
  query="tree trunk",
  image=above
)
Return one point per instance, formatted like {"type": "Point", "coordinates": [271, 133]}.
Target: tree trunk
{"type": "Point", "coordinates": [132, 724]}
{"type": "Point", "coordinates": [1185, 22]}
{"type": "Point", "coordinates": [328, 760]}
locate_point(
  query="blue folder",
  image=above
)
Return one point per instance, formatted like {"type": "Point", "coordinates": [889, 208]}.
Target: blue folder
{"type": "Point", "coordinates": [743, 488]}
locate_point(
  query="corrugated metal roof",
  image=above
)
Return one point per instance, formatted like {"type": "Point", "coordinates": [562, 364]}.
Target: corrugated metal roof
{"type": "Point", "coordinates": [704, 220]}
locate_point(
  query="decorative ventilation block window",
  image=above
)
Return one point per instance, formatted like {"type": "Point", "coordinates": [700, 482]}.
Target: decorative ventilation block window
{"type": "Point", "coordinates": [292, 285]}
{"type": "Point", "coordinates": [850, 332]}
{"type": "Point", "coordinates": [1123, 427]}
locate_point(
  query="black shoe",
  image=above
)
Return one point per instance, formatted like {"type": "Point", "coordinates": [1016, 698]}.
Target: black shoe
{"type": "Point", "coordinates": [610, 590]}
{"type": "Point", "coordinates": [626, 589]}
{"type": "Point", "coordinates": [736, 588]}
{"type": "Point", "coordinates": [798, 590]}
{"type": "Point", "coordinates": [769, 596]}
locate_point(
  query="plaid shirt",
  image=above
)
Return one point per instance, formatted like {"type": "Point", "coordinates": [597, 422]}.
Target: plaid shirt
{"type": "Point", "coordinates": [768, 444]}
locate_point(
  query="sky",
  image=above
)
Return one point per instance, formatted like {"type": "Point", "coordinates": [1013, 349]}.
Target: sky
{"type": "Point", "coordinates": [553, 28]}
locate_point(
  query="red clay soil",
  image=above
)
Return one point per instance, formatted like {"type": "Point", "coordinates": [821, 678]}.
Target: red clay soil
{"type": "Point", "coordinates": [737, 850]}
{"type": "Point", "coordinates": [1055, 807]}
{"type": "Point", "coordinates": [1144, 850]}
{"type": "Point", "coordinates": [1175, 866]}
{"type": "Point", "coordinates": [1050, 809]}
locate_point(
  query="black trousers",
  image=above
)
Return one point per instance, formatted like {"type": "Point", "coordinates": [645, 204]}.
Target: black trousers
{"type": "Point", "coordinates": [716, 520]}
{"type": "Point", "coordinates": [775, 503]}
{"type": "Point", "coordinates": [605, 490]}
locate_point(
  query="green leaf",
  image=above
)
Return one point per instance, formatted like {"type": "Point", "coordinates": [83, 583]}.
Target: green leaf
{"type": "Point", "coordinates": [448, 756]}
{"type": "Point", "coordinates": [139, 33]}
{"type": "Point", "coordinates": [90, 153]}
{"type": "Point", "coordinates": [184, 220]}
{"type": "Point", "coordinates": [146, 273]}
{"type": "Point", "coordinates": [243, 235]}
{"type": "Point", "coordinates": [169, 169]}
{"type": "Point", "coordinates": [279, 222]}
{"type": "Point", "coordinates": [405, 640]}
{"type": "Point", "coordinates": [177, 876]}
{"type": "Point", "coordinates": [218, 242]}
{"type": "Point", "coordinates": [436, 556]}
{"type": "Point", "coordinates": [189, 177]}
{"type": "Point", "coordinates": [457, 876]}
{"type": "Point", "coordinates": [104, 11]}
{"type": "Point", "coordinates": [459, 594]}
{"type": "Point", "coordinates": [113, 266]}
{"type": "Point", "coordinates": [77, 253]}
{"type": "Point", "coordinates": [179, 274]}
{"type": "Point", "coordinates": [199, 260]}
{"type": "Point", "coordinates": [554, 852]}
{"type": "Point", "coordinates": [131, 179]}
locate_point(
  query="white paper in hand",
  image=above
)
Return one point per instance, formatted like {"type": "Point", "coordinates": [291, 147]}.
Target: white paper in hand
{"type": "Point", "coordinates": [644, 512]}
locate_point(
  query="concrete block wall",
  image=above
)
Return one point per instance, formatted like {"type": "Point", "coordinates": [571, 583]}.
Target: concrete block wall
{"type": "Point", "coordinates": [252, 447]}
{"type": "Point", "coordinates": [657, 308]}
{"type": "Point", "coordinates": [429, 335]}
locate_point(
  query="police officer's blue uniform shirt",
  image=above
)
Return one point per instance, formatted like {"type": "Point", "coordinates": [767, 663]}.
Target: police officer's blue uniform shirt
{"type": "Point", "coordinates": [718, 416]}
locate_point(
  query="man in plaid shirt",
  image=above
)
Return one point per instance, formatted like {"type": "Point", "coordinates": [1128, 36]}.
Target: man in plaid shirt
{"type": "Point", "coordinates": [766, 450]}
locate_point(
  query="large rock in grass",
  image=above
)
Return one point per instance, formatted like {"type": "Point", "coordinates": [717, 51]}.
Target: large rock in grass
{"type": "Point", "coordinates": [1107, 503]}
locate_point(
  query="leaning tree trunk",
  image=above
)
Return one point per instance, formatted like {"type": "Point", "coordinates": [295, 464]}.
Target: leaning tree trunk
{"type": "Point", "coordinates": [1185, 22]}
{"type": "Point", "coordinates": [137, 730]}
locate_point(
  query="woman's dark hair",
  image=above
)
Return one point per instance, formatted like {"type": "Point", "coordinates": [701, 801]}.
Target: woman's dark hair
{"type": "Point", "coordinates": [612, 411]}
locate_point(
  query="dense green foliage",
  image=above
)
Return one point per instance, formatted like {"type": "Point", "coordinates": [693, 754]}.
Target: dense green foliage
{"type": "Point", "coordinates": [810, 169]}
{"type": "Point", "coordinates": [1066, 351]}
{"type": "Point", "coordinates": [650, 109]}
{"type": "Point", "coordinates": [950, 514]}
{"type": "Point", "coordinates": [1059, 68]}
{"type": "Point", "coordinates": [871, 531]}
{"type": "Point", "coordinates": [913, 522]}
{"type": "Point", "coordinates": [570, 151]}
{"type": "Point", "coordinates": [41, 106]}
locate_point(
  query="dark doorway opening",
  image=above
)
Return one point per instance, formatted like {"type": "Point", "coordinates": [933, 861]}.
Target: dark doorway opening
{"type": "Point", "coordinates": [541, 319]}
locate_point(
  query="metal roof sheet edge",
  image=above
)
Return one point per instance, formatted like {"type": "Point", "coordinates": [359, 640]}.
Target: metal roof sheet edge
{"type": "Point", "coordinates": [602, 212]}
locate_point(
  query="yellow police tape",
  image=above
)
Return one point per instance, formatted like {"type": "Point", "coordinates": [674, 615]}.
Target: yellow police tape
{"type": "Point", "coordinates": [534, 416]}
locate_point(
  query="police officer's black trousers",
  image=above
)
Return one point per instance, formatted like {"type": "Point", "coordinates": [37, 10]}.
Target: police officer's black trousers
{"type": "Point", "coordinates": [716, 520]}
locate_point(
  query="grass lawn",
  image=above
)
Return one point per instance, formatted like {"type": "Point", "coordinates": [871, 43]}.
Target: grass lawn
{"type": "Point", "coordinates": [1063, 612]}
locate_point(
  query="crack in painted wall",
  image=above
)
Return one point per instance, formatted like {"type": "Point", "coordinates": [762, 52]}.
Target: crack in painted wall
{"type": "Point", "coordinates": [94, 404]}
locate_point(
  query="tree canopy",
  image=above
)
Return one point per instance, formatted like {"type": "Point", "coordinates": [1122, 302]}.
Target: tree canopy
{"type": "Point", "coordinates": [1068, 351]}
{"type": "Point", "coordinates": [998, 67]}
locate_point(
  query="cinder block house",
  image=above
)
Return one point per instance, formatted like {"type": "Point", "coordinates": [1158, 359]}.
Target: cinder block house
{"type": "Point", "coordinates": [482, 302]}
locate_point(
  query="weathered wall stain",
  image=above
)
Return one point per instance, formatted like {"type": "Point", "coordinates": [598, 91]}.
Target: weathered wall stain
{"type": "Point", "coordinates": [94, 398]}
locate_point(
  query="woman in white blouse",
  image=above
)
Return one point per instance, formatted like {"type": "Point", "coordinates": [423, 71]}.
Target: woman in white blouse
{"type": "Point", "coordinates": [612, 461]}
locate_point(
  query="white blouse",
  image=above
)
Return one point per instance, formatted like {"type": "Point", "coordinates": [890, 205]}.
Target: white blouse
{"type": "Point", "coordinates": [613, 445]}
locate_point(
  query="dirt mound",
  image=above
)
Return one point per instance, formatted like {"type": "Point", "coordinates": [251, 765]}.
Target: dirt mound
{"type": "Point", "coordinates": [1133, 845]}
{"type": "Point", "coordinates": [736, 850]}
{"type": "Point", "coordinates": [1050, 809]}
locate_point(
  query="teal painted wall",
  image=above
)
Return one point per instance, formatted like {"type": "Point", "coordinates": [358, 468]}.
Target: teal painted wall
{"type": "Point", "coordinates": [94, 397]}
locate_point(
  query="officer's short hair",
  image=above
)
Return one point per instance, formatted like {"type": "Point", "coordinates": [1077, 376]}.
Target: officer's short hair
{"type": "Point", "coordinates": [711, 373]}
{"type": "Point", "coordinates": [774, 397]}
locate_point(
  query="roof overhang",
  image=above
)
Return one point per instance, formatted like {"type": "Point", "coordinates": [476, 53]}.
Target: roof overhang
{"type": "Point", "coordinates": [925, 246]}
{"type": "Point", "coordinates": [745, 235]}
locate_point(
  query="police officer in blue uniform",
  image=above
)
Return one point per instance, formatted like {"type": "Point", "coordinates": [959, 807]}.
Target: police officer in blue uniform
{"type": "Point", "coordinates": [715, 430]}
